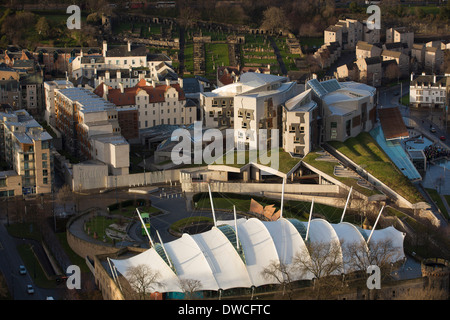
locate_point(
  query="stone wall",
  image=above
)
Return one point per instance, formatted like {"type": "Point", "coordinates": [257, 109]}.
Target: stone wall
{"type": "Point", "coordinates": [85, 248]}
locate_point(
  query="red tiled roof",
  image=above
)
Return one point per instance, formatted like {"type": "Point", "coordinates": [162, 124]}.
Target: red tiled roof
{"type": "Point", "coordinates": [225, 73]}
{"type": "Point", "coordinates": [128, 97]}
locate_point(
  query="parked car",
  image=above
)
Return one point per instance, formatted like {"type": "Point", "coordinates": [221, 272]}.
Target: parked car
{"type": "Point", "coordinates": [30, 289]}
{"type": "Point", "coordinates": [432, 129]}
{"type": "Point", "coordinates": [442, 138]}
{"type": "Point", "coordinates": [22, 270]}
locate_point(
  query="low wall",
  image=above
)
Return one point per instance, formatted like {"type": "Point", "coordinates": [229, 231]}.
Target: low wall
{"type": "Point", "coordinates": [96, 177]}
{"type": "Point", "coordinates": [86, 248]}
{"type": "Point", "coordinates": [237, 187]}
{"type": "Point", "coordinates": [335, 181]}
{"type": "Point", "coordinates": [400, 200]}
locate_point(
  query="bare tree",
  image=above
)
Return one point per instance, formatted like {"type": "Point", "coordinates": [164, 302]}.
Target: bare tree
{"type": "Point", "coordinates": [188, 15]}
{"type": "Point", "coordinates": [358, 256]}
{"type": "Point", "coordinates": [143, 280]}
{"type": "Point", "coordinates": [275, 19]}
{"type": "Point", "coordinates": [392, 72]}
{"type": "Point", "coordinates": [427, 293]}
{"type": "Point", "coordinates": [282, 273]}
{"type": "Point", "coordinates": [189, 287]}
{"type": "Point", "coordinates": [324, 263]}
{"type": "Point", "coordinates": [64, 195]}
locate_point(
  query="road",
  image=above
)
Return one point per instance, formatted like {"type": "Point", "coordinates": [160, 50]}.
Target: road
{"type": "Point", "coordinates": [389, 97]}
{"type": "Point", "coordinates": [10, 261]}
{"type": "Point", "coordinates": [424, 119]}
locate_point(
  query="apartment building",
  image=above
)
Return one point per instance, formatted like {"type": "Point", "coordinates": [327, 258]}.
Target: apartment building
{"type": "Point", "coordinates": [401, 59]}
{"type": "Point", "coordinates": [370, 70]}
{"type": "Point", "coordinates": [9, 86]}
{"type": "Point", "coordinates": [156, 103]}
{"type": "Point", "coordinates": [21, 86]}
{"type": "Point", "coordinates": [433, 59]}
{"type": "Point", "coordinates": [10, 184]}
{"type": "Point", "coordinates": [347, 108]}
{"type": "Point", "coordinates": [349, 31]}
{"type": "Point", "coordinates": [367, 50]}
{"type": "Point", "coordinates": [327, 54]}
{"type": "Point", "coordinates": [401, 34]}
{"type": "Point", "coordinates": [429, 91]}
{"type": "Point", "coordinates": [90, 128]}
{"type": "Point", "coordinates": [49, 94]}
{"type": "Point", "coordinates": [26, 146]}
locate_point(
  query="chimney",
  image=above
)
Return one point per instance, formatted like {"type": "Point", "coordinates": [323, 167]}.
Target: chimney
{"type": "Point", "coordinates": [121, 87]}
{"type": "Point", "coordinates": [105, 91]}
{"type": "Point", "coordinates": [412, 76]}
{"type": "Point", "coordinates": [180, 81]}
{"type": "Point", "coordinates": [168, 82]}
{"type": "Point", "coordinates": [153, 83]}
{"type": "Point", "coordinates": [434, 78]}
{"type": "Point", "coordinates": [129, 45]}
{"type": "Point", "coordinates": [105, 47]}
{"type": "Point", "coordinates": [119, 74]}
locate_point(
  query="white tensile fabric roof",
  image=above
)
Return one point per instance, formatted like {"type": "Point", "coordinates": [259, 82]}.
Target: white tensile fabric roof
{"type": "Point", "coordinates": [218, 261]}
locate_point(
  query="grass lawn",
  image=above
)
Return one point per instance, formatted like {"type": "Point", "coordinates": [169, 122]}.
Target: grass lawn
{"type": "Point", "coordinates": [33, 267]}
{"type": "Point", "coordinates": [283, 163]}
{"type": "Point", "coordinates": [216, 53]}
{"type": "Point", "coordinates": [74, 258]}
{"type": "Point", "coordinates": [291, 209]}
{"type": "Point", "coordinates": [364, 151]}
{"type": "Point", "coordinates": [311, 41]}
{"type": "Point", "coordinates": [437, 199]}
{"type": "Point", "coordinates": [189, 57]}
{"type": "Point", "coordinates": [26, 230]}
{"type": "Point", "coordinates": [180, 224]}
{"type": "Point", "coordinates": [98, 225]}
{"type": "Point", "coordinates": [130, 211]}
{"type": "Point", "coordinates": [328, 168]}
{"type": "Point", "coordinates": [447, 198]}
{"type": "Point", "coordinates": [405, 100]}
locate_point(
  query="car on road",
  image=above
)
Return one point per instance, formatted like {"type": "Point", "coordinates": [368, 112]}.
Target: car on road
{"type": "Point", "coordinates": [432, 129]}
{"type": "Point", "coordinates": [22, 270]}
{"type": "Point", "coordinates": [30, 289]}
{"type": "Point", "coordinates": [442, 138]}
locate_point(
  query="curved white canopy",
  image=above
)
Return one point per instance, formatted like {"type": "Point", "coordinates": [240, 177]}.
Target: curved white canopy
{"type": "Point", "coordinates": [214, 259]}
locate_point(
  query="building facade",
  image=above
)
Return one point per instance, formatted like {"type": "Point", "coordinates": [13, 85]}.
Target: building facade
{"type": "Point", "coordinates": [90, 128]}
{"type": "Point", "coordinates": [429, 91]}
{"type": "Point", "coordinates": [347, 108]}
{"type": "Point", "coordinates": [26, 146]}
{"type": "Point", "coordinates": [157, 104]}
